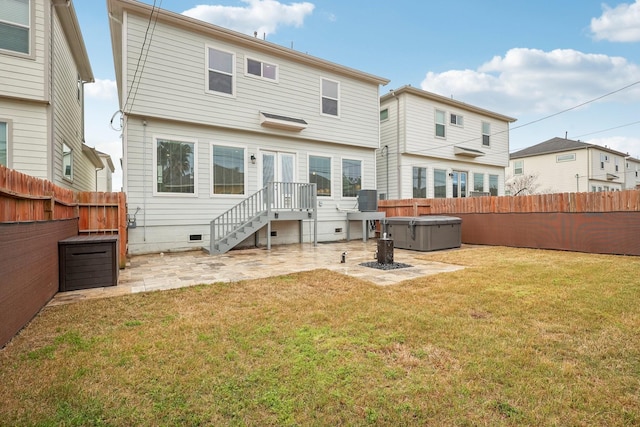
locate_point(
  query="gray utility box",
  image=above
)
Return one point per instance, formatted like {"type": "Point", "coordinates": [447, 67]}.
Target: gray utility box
{"type": "Point", "coordinates": [424, 233]}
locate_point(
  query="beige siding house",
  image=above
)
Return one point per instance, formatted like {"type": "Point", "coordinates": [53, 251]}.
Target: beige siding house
{"type": "Point", "coordinates": [43, 69]}
{"type": "Point", "coordinates": [433, 146]}
{"type": "Point", "coordinates": [632, 173]}
{"type": "Point", "coordinates": [212, 116]}
{"type": "Point", "coordinates": [562, 165]}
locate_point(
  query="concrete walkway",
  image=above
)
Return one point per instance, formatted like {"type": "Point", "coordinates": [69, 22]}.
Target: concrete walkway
{"type": "Point", "coordinates": [175, 270]}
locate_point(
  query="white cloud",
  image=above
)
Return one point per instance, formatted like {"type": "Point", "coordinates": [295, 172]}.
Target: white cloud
{"type": "Point", "coordinates": [619, 24]}
{"type": "Point", "coordinates": [101, 89]}
{"type": "Point", "coordinates": [261, 16]}
{"type": "Point", "coordinates": [624, 144]}
{"type": "Point", "coordinates": [531, 81]}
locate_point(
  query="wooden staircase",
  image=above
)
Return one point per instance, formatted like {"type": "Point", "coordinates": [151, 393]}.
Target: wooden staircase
{"type": "Point", "coordinates": [278, 201]}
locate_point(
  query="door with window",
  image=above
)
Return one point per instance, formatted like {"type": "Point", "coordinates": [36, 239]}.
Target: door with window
{"type": "Point", "coordinates": [279, 167]}
{"type": "Point", "coordinates": [459, 184]}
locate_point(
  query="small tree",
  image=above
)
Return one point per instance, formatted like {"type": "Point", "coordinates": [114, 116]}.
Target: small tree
{"type": "Point", "coordinates": [524, 185]}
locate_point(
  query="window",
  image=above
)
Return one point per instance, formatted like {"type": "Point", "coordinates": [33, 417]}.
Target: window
{"type": "Point", "coordinates": [518, 167]}
{"type": "Point", "coordinates": [175, 166]}
{"type": "Point", "coordinates": [228, 170]}
{"type": "Point", "coordinates": [617, 162]}
{"type": "Point", "coordinates": [67, 162]}
{"type": "Point", "coordinates": [15, 25]}
{"type": "Point", "coordinates": [593, 188]}
{"type": "Point", "coordinates": [330, 95]}
{"type": "Point", "coordinates": [493, 185]}
{"type": "Point", "coordinates": [478, 182]}
{"type": "Point", "coordinates": [320, 174]}
{"type": "Point", "coordinates": [262, 69]}
{"type": "Point", "coordinates": [351, 177]}
{"type": "Point", "coordinates": [565, 157]}
{"type": "Point", "coordinates": [420, 182]}
{"type": "Point", "coordinates": [440, 124]}
{"type": "Point", "coordinates": [440, 183]}
{"type": "Point", "coordinates": [220, 71]}
{"type": "Point", "coordinates": [486, 134]}
{"type": "Point", "coordinates": [384, 114]}
{"type": "Point", "coordinates": [4, 144]}
{"type": "Point", "coordinates": [456, 119]}
{"type": "Point", "coordinates": [603, 158]}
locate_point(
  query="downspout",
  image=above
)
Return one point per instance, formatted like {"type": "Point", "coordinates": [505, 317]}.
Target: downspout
{"type": "Point", "coordinates": [52, 150]}
{"type": "Point", "coordinates": [144, 180]}
{"type": "Point", "coordinates": [398, 180]}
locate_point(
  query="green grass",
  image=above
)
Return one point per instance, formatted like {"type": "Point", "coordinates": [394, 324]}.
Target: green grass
{"type": "Point", "coordinates": [519, 337]}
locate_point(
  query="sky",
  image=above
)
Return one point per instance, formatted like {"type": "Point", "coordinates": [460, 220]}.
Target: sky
{"type": "Point", "coordinates": [560, 67]}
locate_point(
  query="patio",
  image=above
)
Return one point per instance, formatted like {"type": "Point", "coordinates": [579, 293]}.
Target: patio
{"type": "Point", "coordinates": [155, 272]}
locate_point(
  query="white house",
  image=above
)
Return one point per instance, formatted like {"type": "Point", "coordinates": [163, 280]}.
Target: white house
{"type": "Point", "coordinates": [212, 116]}
{"type": "Point", "coordinates": [433, 146]}
{"type": "Point", "coordinates": [632, 173]}
{"type": "Point", "coordinates": [561, 165]}
{"type": "Point", "coordinates": [43, 69]}
{"type": "Point", "coordinates": [104, 176]}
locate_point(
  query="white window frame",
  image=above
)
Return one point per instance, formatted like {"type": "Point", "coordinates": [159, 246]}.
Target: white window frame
{"type": "Point", "coordinates": [67, 151]}
{"type": "Point", "coordinates": [355, 159]}
{"type": "Point", "coordinates": [7, 137]}
{"type": "Point", "coordinates": [443, 124]}
{"type": "Point", "coordinates": [155, 166]}
{"type": "Point", "coordinates": [246, 162]}
{"type": "Point", "coordinates": [262, 65]}
{"type": "Point", "coordinates": [486, 134]}
{"type": "Point", "coordinates": [29, 29]}
{"type": "Point", "coordinates": [616, 160]}
{"type": "Point", "coordinates": [456, 120]}
{"type": "Point", "coordinates": [413, 179]}
{"type": "Point", "coordinates": [386, 111]}
{"type": "Point", "coordinates": [475, 174]}
{"type": "Point", "coordinates": [331, 174]}
{"type": "Point", "coordinates": [322, 97]}
{"type": "Point", "coordinates": [232, 74]}
{"type": "Point", "coordinates": [516, 168]}
{"type": "Point", "coordinates": [497, 179]}
{"type": "Point", "coordinates": [565, 157]}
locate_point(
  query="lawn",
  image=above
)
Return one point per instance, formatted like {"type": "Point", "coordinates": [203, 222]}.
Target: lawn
{"type": "Point", "coordinates": [519, 337]}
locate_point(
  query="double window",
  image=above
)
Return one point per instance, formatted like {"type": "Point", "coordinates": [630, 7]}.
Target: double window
{"type": "Point", "coordinates": [456, 119]}
{"type": "Point", "coordinates": [220, 69]}
{"type": "Point", "coordinates": [419, 182]}
{"type": "Point", "coordinates": [15, 25]}
{"type": "Point", "coordinates": [228, 170]}
{"type": "Point", "coordinates": [351, 177]}
{"type": "Point", "coordinates": [330, 97]}
{"type": "Point", "coordinates": [440, 124]}
{"type": "Point", "coordinates": [4, 144]}
{"type": "Point", "coordinates": [175, 166]}
{"type": "Point", "coordinates": [262, 69]}
{"type": "Point", "coordinates": [320, 174]}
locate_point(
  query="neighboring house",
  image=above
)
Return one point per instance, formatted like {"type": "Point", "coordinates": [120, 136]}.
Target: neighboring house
{"type": "Point", "coordinates": [632, 173]}
{"type": "Point", "coordinates": [104, 176]}
{"type": "Point", "coordinates": [562, 165]}
{"type": "Point", "coordinates": [212, 116]}
{"type": "Point", "coordinates": [43, 69]}
{"type": "Point", "coordinates": [433, 146]}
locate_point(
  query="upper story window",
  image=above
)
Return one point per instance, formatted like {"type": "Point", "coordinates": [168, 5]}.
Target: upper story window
{"type": "Point", "coordinates": [220, 69]}
{"type": "Point", "coordinates": [456, 120]}
{"type": "Point", "coordinates": [320, 174]}
{"type": "Point", "coordinates": [486, 134]}
{"type": "Point", "coordinates": [565, 157]}
{"type": "Point", "coordinates": [603, 158]}
{"type": "Point", "coordinates": [262, 69]}
{"type": "Point", "coordinates": [351, 177]}
{"type": "Point", "coordinates": [440, 124]}
{"type": "Point", "coordinates": [617, 163]}
{"type": "Point", "coordinates": [15, 25]}
{"type": "Point", "coordinates": [67, 162]}
{"type": "Point", "coordinates": [175, 166]}
{"type": "Point", "coordinates": [330, 97]}
{"type": "Point", "coordinates": [384, 114]}
{"type": "Point", "coordinates": [518, 167]}
{"type": "Point", "coordinates": [4, 144]}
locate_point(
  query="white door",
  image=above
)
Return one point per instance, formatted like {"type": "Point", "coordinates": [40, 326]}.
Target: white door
{"type": "Point", "coordinates": [279, 168]}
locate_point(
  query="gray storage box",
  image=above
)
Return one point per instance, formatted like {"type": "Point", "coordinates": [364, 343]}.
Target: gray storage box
{"type": "Point", "coordinates": [424, 233]}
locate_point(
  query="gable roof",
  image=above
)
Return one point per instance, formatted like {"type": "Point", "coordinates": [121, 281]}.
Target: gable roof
{"type": "Point", "coordinates": [558, 145]}
{"type": "Point", "coordinates": [444, 100]}
{"type": "Point", "coordinates": [116, 8]}
{"type": "Point", "coordinates": [71, 28]}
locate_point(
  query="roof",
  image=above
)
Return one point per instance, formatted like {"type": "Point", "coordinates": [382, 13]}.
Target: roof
{"type": "Point", "coordinates": [444, 100]}
{"type": "Point", "coordinates": [117, 7]}
{"type": "Point", "coordinates": [558, 145]}
{"type": "Point", "coordinates": [106, 157]}
{"type": "Point", "coordinates": [69, 21]}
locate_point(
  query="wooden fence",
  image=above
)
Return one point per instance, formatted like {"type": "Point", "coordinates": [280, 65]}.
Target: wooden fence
{"type": "Point", "coordinates": [24, 198]}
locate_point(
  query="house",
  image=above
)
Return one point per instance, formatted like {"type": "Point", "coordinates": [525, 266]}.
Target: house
{"type": "Point", "coordinates": [632, 173]}
{"type": "Point", "coordinates": [233, 140]}
{"type": "Point", "coordinates": [43, 69]}
{"type": "Point", "coordinates": [104, 176]}
{"type": "Point", "coordinates": [561, 165]}
{"type": "Point", "coordinates": [433, 146]}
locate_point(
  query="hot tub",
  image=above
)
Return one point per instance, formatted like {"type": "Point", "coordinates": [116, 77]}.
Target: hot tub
{"type": "Point", "coordinates": [424, 233]}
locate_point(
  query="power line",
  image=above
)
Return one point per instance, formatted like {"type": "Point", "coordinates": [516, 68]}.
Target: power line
{"type": "Point", "coordinates": [608, 129]}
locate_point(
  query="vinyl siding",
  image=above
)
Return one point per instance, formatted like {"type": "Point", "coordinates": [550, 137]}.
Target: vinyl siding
{"type": "Point", "coordinates": [67, 113]}
{"type": "Point", "coordinates": [182, 82]}
{"type": "Point", "coordinates": [28, 137]}
{"type": "Point", "coordinates": [553, 176]}
{"type": "Point", "coordinates": [24, 76]}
